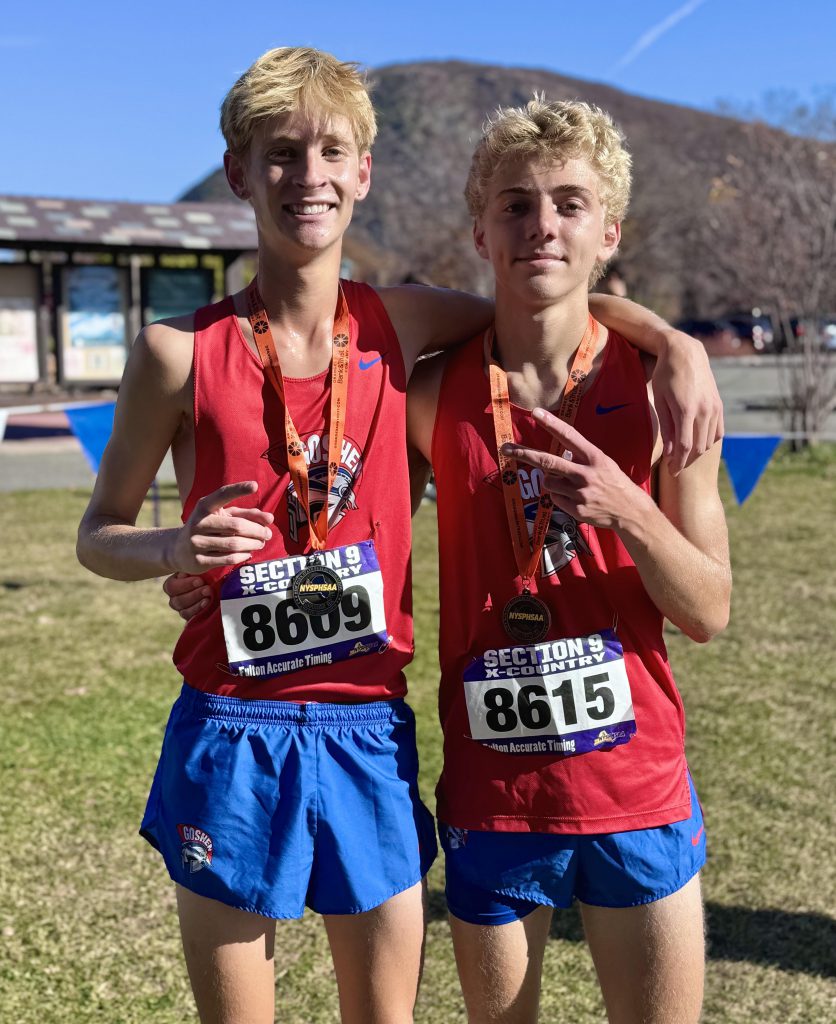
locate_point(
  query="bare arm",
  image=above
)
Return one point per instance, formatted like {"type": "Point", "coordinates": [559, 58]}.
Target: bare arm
{"type": "Point", "coordinates": [680, 547]}
{"type": "Point", "coordinates": [419, 477]}
{"type": "Point", "coordinates": [422, 404]}
{"type": "Point", "coordinates": [154, 399]}
{"type": "Point", "coordinates": [685, 393]}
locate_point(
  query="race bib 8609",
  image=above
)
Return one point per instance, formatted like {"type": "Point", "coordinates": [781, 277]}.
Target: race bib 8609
{"type": "Point", "coordinates": [266, 634]}
{"type": "Point", "coordinates": [567, 696]}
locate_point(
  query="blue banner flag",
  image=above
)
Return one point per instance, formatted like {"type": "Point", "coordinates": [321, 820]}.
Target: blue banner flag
{"type": "Point", "coordinates": [746, 457]}
{"type": "Point", "coordinates": [92, 426]}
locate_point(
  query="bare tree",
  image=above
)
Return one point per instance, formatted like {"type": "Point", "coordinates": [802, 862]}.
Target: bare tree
{"type": "Point", "coordinates": [771, 234]}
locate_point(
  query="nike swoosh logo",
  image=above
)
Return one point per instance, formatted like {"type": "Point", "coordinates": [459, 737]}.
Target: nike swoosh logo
{"type": "Point", "coordinates": [602, 410]}
{"type": "Point", "coordinates": [695, 839]}
{"type": "Point", "coordinates": [365, 365]}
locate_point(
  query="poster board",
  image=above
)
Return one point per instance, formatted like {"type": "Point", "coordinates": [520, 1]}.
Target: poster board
{"type": "Point", "coordinates": [93, 343]}
{"type": "Point", "coordinates": [173, 291]}
{"type": "Point", "coordinates": [19, 362]}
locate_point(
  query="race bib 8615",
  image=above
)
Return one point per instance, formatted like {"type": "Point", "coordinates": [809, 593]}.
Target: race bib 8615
{"type": "Point", "coordinates": [568, 696]}
{"type": "Point", "coordinates": [266, 634]}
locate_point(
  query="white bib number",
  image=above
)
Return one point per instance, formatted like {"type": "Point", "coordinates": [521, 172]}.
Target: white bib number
{"type": "Point", "coordinates": [566, 696]}
{"type": "Point", "coordinates": [267, 635]}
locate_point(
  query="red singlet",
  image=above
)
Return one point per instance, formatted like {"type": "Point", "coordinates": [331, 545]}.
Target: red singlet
{"type": "Point", "coordinates": [587, 580]}
{"type": "Point", "coordinates": [240, 435]}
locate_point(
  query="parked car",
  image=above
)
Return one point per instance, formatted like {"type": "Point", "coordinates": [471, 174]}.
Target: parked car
{"type": "Point", "coordinates": [826, 330]}
{"type": "Point", "coordinates": [757, 330]}
{"type": "Point", "coordinates": [720, 337]}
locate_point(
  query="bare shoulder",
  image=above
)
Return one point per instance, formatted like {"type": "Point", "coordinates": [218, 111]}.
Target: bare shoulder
{"type": "Point", "coordinates": [164, 351]}
{"type": "Point", "coordinates": [165, 338]}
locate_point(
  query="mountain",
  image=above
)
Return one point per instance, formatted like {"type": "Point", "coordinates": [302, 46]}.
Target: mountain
{"type": "Point", "coordinates": [414, 222]}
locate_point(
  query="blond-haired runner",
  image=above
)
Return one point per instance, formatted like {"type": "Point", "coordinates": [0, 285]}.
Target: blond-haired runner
{"type": "Point", "coordinates": [564, 765]}
{"type": "Point", "coordinates": [288, 771]}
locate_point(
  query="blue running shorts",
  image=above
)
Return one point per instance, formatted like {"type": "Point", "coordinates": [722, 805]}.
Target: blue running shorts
{"type": "Point", "coordinates": [500, 877]}
{"type": "Point", "coordinates": [270, 806]}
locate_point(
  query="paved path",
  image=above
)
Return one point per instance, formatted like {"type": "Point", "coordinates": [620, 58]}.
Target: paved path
{"type": "Point", "coordinates": [51, 462]}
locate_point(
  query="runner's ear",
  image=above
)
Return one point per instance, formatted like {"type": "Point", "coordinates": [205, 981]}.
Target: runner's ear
{"type": "Point", "coordinates": [610, 242]}
{"type": "Point", "coordinates": [234, 169]}
{"type": "Point", "coordinates": [479, 240]}
{"type": "Point", "coordinates": [365, 177]}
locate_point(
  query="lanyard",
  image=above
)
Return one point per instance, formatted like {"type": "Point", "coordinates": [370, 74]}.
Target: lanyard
{"type": "Point", "coordinates": [527, 552]}
{"type": "Point", "coordinates": [318, 528]}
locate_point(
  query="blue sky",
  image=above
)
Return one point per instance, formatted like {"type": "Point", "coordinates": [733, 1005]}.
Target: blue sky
{"type": "Point", "coordinates": [120, 100]}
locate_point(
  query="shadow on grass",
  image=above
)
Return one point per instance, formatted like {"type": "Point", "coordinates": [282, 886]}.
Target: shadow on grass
{"type": "Point", "coordinates": [804, 943]}
{"type": "Point", "coordinates": [792, 942]}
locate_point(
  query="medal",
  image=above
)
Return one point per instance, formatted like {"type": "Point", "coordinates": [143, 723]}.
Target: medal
{"type": "Point", "coordinates": [298, 467]}
{"type": "Point", "coordinates": [316, 589]}
{"type": "Point", "coordinates": [526, 619]}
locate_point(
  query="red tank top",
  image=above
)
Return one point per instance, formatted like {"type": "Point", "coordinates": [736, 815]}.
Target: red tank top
{"type": "Point", "coordinates": [239, 435]}
{"type": "Point", "coordinates": [588, 581]}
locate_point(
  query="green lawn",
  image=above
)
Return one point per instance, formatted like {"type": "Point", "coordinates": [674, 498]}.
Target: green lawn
{"type": "Point", "coordinates": [89, 932]}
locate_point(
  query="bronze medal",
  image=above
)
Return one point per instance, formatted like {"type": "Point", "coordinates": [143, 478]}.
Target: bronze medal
{"type": "Point", "coordinates": [317, 590]}
{"type": "Point", "coordinates": [340, 358]}
{"type": "Point", "coordinates": [526, 619]}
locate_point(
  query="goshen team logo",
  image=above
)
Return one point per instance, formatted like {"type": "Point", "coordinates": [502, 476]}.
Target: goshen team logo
{"type": "Point", "coordinates": [196, 849]}
{"type": "Point", "coordinates": [340, 500]}
{"type": "Point", "coordinates": [563, 536]}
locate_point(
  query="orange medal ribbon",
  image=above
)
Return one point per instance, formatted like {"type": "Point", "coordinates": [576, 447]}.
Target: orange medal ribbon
{"type": "Point", "coordinates": [527, 552]}
{"type": "Point", "coordinates": [260, 323]}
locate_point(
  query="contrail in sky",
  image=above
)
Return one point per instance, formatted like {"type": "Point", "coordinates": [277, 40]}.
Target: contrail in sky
{"type": "Point", "coordinates": [652, 34]}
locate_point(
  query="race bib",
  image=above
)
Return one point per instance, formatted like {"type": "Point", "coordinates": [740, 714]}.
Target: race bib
{"type": "Point", "coordinates": [268, 634]}
{"type": "Point", "coordinates": [566, 696]}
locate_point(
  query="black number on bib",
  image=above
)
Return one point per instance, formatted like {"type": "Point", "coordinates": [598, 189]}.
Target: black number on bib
{"type": "Point", "coordinates": [324, 626]}
{"type": "Point", "coordinates": [567, 697]}
{"type": "Point", "coordinates": [259, 634]}
{"type": "Point", "coordinates": [595, 691]}
{"type": "Point", "coordinates": [291, 624]}
{"type": "Point", "coordinates": [356, 609]}
{"type": "Point", "coordinates": [534, 714]}
{"type": "Point", "coordinates": [500, 703]}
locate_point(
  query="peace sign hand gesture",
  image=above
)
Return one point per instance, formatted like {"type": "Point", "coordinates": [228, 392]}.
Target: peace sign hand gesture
{"type": "Point", "coordinates": [584, 482]}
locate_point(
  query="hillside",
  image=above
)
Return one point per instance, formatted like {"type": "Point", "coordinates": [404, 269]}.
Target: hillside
{"type": "Point", "coordinates": [430, 115]}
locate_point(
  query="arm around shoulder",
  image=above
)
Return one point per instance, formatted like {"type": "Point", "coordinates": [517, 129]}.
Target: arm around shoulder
{"type": "Point", "coordinates": [687, 401]}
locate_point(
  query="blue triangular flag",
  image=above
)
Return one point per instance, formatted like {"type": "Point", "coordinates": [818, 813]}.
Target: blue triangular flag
{"type": "Point", "coordinates": [746, 457]}
{"type": "Point", "coordinates": [92, 426]}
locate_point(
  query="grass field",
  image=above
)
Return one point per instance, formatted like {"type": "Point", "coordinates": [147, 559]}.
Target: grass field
{"type": "Point", "coordinates": [87, 921]}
